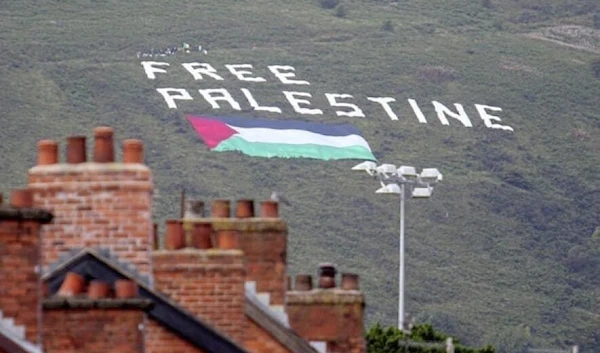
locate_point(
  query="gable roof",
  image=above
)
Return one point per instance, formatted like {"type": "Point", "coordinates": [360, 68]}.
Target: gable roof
{"type": "Point", "coordinates": [11, 343]}
{"type": "Point", "coordinates": [287, 337]}
{"type": "Point", "coordinates": [168, 313]}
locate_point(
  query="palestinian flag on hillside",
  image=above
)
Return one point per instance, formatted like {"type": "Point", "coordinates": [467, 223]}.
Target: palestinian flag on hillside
{"type": "Point", "coordinates": [282, 138]}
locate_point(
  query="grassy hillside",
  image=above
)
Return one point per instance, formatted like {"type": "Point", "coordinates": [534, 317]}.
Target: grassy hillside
{"type": "Point", "coordinates": [503, 253]}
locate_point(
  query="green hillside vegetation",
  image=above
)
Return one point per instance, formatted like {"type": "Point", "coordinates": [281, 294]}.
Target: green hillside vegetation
{"type": "Point", "coordinates": [504, 252]}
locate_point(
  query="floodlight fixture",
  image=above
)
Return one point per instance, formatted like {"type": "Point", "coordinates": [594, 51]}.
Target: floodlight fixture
{"type": "Point", "coordinates": [408, 172]}
{"type": "Point", "coordinates": [431, 175]}
{"type": "Point", "coordinates": [396, 181]}
{"type": "Point", "coordinates": [367, 166]}
{"type": "Point", "coordinates": [389, 189]}
{"type": "Point", "coordinates": [386, 170]}
{"type": "Point", "coordinates": [422, 193]}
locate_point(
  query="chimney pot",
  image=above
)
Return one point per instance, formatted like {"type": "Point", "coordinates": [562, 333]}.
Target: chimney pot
{"type": "Point", "coordinates": [350, 281]}
{"type": "Point", "coordinates": [21, 198]}
{"type": "Point", "coordinates": [327, 274]}
{"type": "Point", "coordinates": [76, 150]}
{"type": "Point", "coordinates": [72, 285]}
{"type": "Point", "coordinates": [133, 151]}
{"type": "Point", "coordinates": [193, 209]}
{"type": "Point", "coordinates": [202, 235]}
{"type": "Point", "coordinates": [174, 236]}
{"type": "Point", "coordinates": [220, 208]}
{"type": "Point", "coordinates": [269, 209]}
{"type": "Point", "coordinates": [104, 151]}
{"type": "Point", "coordinates": [125, 288]}
{"type": "Point", "coordinates": [244, 208]}
{"type": "Point", "coordinates": [98, 289]}
{"type": "Point", "coordinates": [1, 199]}
{"type": "Point", "coordinates": [303, 283]}
{"type": "Point", "coordinates": [228, 239]}
{"type": "Point", "coordinates": [288, 282]}
{"type": "Point", "coordinates": [47, 152]}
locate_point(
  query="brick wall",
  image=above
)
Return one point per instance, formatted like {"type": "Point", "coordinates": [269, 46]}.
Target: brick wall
{"type": "Point", "coordinates": [20, 283]}
{"type": "Point", "coordinates": [93, 331]}
{"type": "Point", "coordinates": [160, 340]}
{"type": "Point", "coordinates": [259, 341]}
{"type": "Point", "coordinates": [208, 283]}
{"type": "Point", "coordinates": [333, 315]}
{"type": "Point", "coordinates": [264, 243]}
{"type": "Point", "coordinates": [96, 205]}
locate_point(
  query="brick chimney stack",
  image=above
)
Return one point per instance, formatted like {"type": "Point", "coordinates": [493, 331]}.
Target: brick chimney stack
{"type": "Point", "coordinates": [20, 281]}
{"type": "Point", "coordinates": [328, 313]}
{"type": "Point", "coordinates": [263, 239]}
{"type": "Point", "coordinates": [204, 271]}
{"type": "Point", "coordinates": [97, 203]}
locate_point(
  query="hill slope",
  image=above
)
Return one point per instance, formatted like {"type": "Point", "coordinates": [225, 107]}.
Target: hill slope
{"type": "Point", "coordinates": [502, 253]}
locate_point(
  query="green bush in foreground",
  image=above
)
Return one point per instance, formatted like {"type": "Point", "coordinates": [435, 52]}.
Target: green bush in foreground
{"type": "Point", "coordinates": [392, 340]}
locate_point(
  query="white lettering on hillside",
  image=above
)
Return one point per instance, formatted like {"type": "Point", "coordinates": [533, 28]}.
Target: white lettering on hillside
{"type": "Point", "coordinates": [385, 103]}
{"type": "Point", "coordinates": [255, 105]}
{"type": "Point", "coordinates": [241, 74]}
{"type": "Point", "coordinates": [180, 94]}
{"type": "Point", "coordinates": [199, 69]}
{"type": "Point", "coordinates": [150, 70]}
{"type": "Point", "coordinates": [488, 118]}
{"type": "Point", "coordinates": [442, 111]}
{"type": "Point", "coordinates": [299, 101]}
{"type": "Point", "coordinates": [356, 111]}
{"type": "Point", "coordinates": [212, 96]}
{"type": "Point", "coordinates": [419, 114]}
{"type": "Point", "coordinates": [284, 76]}
{"type": "Point", "coordinates": [295, 102]}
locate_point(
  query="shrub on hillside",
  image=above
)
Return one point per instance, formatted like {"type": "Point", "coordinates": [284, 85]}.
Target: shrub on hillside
{"type": "Point", "coordinates": [436, 74]}
{"type": "Point", "coordinates": [329, 4]}
{"type": "Point", "coordinates": [388, 26]}
{"type": "Point", "coordinates": [341, 11]}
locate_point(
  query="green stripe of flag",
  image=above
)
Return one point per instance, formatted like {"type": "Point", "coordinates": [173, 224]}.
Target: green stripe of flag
{"type": "Point", "coordinates": [261, 149]}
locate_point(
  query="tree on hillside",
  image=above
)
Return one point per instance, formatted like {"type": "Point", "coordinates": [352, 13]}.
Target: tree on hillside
{"type": "Point", "coordinates": [418, 340]}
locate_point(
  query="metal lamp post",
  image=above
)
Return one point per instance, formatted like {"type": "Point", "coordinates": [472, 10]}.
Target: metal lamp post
{"type": "Point", "coordinates": [394, 181]}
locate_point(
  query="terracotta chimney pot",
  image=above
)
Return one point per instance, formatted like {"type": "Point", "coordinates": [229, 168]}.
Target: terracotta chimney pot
{"type": "Point", "coordinates": [349, 281]}
{"type": "Point", "coordinates": [288, 282]}
{"type": "Point", "coordinates": [244, 208]}
{"type": "Point", "coordinates": [76, 150]}
{"type": "Point", "coordinates": [202, 235]}
{"type": "Point", "coordinates": [21, 198]}
{"type": "Point", "coordinates": [269, 209]}
{"type": "Point", "coordinates": [133, 151]}
{"type": "Point", "coordinates": [327, 274]}
{"type": "Point", "coordinates": [98, 289]}
{"type": "Point", "coordinates": [193, 209]}
{"type": "Point", "coordinates": [220, 208]}
{"type": "Point", "coordinates": [104, 150]}
{"type": "Point", "coordinates": [174, 235]}
{"type": "Point", "coordinates": [1, 199]}
{"type": "Point", "coordinates": [228, 239]}
{"type": "Point", "coordinates": [125, 288]}
{"type": "Point", "coordinates": [47, 152]}
{"type": "Point", "coordinates": [303, 283]}
{"type": "Point", "coordinates": [72, 285]}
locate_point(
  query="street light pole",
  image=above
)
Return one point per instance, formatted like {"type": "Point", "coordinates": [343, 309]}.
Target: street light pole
{"type": "Point", "coordinates": [401, 271]}
{"type": "Point", "coordinates": [394, 181]}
